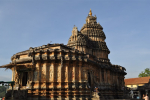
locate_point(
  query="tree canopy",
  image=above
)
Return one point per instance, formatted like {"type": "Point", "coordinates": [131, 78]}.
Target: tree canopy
{"type": "Point", "coordinates": [145, 73]}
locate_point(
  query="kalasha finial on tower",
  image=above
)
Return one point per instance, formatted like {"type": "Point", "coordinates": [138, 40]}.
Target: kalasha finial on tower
{"type": "Point", "coordinates": [90, 13]}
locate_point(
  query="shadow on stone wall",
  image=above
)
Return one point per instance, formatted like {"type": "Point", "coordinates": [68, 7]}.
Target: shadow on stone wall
{"type": "Point", "coordinates": [17, 94]}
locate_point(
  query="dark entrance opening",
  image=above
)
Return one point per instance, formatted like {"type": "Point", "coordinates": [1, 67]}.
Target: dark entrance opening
{"type": "Point", "coordinates": [89, 79]}
{"type": "Point", "coordinates": [24, 79]}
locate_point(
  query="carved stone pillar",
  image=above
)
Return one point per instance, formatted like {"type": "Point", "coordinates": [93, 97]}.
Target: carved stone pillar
{"type": "Point", "coordinates": [37, 76]}
{"type": "Point", "coordinates": [85, 78]}
{"type": "Point", "coordinates": [58, 73]}
{"type": "Point", "coordinates": [51, 74]}
{"type": "Point", "coordinates": [43, 72]}
{"type": "Point", "coordinates": [80, 65]}
{"type": "Point", "coordinates": [73, 72]}
{"type": "Point", "coordinates": [66, 72]}
{"type": "Point", "coordinates": [59, 76]}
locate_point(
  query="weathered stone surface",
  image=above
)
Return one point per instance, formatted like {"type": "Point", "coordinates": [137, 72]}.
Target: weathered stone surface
{"type": "Point", "coordinates": [71, 71]}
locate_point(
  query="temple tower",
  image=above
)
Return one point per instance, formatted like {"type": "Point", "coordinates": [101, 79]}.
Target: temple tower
{"type": "Point", "coordinates": [68, 72]}
{"type": "Point", "coordinates": [90, 39]}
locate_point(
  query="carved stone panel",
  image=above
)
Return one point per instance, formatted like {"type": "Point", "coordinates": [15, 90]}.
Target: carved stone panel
{"type": "Point", "coordinates": [43, 72]}
{"type": "Point", "coordinates": [51, 73]}
{"type": "Point", "coordinates": [58, 73]}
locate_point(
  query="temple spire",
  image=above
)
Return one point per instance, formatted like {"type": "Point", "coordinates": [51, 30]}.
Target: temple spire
{"type": "Point", "coordinates": [90, 13]}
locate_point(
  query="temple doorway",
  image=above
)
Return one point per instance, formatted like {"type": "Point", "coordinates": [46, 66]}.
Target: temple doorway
{"type": "Point", "coordinates": [24, 79]}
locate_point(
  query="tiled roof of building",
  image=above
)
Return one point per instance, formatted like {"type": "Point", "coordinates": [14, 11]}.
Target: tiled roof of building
{"type": "Point", "coordinates": [140, 80]}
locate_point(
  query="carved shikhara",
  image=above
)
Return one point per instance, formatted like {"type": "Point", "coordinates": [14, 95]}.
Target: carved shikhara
{"type": "Point", "coordinates": [69, 71]}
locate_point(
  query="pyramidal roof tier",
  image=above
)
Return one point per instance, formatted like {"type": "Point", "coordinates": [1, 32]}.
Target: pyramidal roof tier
{"type": "Point", "coordinates": [90, 39]}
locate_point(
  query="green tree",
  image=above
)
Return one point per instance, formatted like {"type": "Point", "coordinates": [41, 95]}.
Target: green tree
{"type": "Point", "coordinates": [145, 73]}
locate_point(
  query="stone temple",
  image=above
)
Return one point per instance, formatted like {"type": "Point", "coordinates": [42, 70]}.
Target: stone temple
{"type": "Point", "coordinates": [65, 72]}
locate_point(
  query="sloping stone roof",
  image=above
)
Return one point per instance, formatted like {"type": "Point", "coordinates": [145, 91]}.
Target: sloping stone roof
{"type": "Point", "coordinates": [135, 81]}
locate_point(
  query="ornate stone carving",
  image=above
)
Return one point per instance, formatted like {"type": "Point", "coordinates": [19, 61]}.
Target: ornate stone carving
{"type": "Point", "coordinates": [63, 70]}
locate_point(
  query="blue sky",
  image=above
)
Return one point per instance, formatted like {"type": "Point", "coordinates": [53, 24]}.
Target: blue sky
{"type": "Point", "coordinates": [32, 23]}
